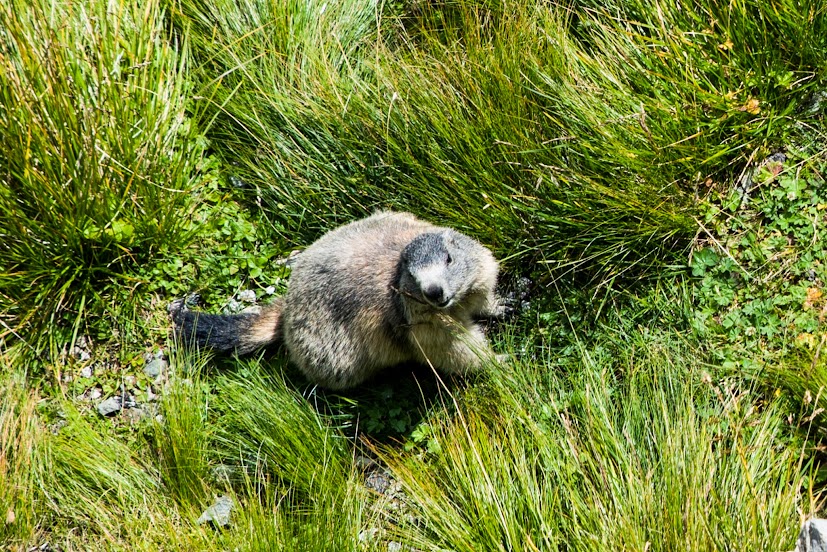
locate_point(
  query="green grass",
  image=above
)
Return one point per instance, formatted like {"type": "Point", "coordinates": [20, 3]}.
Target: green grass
{"type": "Point", "coordinates": [630, 441]}
{"type": "Point", "coordinates": [182, 438]}
{"type": "Point", "coordinates": [293, 467]}
{"type": "Point", "coordinates": [666, 384]}
{"type": "Point", "coordinates": [99, 159]}
{"type": "Point", "coordinates": [633, 447]}
{"type": "Point", "coordinates": [20, 435]}
{"type": "Point", "coordinates": [556, 135]}
{"type": "Point", "coordinates": [84, 484]}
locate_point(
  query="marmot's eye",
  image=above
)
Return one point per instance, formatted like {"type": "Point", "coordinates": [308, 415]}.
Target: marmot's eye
{"type": "Point", "coordinates": [449, 260]}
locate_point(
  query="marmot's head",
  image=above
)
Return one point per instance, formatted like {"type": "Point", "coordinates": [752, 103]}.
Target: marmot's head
{"type": "Point", "coordinates": [438, 268]}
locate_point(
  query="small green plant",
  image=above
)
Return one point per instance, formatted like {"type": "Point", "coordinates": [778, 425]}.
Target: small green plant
{"type": "Point", "coordinates": [423, 437]}
{"type": "Point", "coordinates": [232, 252]}
{"type": "Point", "coordinates": [759, 284]}
{"type": "Point", "coordinates": [761, 275]}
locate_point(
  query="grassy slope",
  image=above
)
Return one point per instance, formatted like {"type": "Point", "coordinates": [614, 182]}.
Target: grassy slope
{"type": "Point", "coordinates": [98, 160]}
{"type": "Point", "coordinates": [639, 411]}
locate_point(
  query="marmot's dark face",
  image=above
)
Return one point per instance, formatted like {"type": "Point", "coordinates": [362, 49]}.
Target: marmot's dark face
{"type": "Point", "coordinates": [435, 269]}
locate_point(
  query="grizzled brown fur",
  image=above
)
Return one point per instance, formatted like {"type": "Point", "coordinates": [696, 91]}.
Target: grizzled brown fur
{"type": "Point", "coordinates": [369, 295]}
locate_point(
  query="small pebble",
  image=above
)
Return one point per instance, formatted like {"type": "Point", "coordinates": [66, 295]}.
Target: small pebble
{"type": "Point", "coordinates": [247, 296]}
{"type": "Point", "coordinates": [219, 513]}
{"type": "Point", "coordinates": [110, 406]}
{"type": "Point", "coordinates": [155, 368]}
{"type": "Point", "coordinates": [368, 535]}
{"type": "Point", "coordinates": [378, 482]}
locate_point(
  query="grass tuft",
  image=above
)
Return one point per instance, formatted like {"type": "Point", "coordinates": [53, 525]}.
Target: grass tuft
{"type": "Point", "coordinates": [574, 136]}
{"type": "Point", "coordinates": [638, 451]}
{"type": "Point", "coordinates": [20, 450]}
{"type": "Point", "coordinates": [97, 158]}
{"type": "Point", "coordinates": [182, 437]}
{"type": "Point", "coordinates": [272, 431]}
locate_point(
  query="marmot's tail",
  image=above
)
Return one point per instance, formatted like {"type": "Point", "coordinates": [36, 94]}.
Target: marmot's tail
{"type": "Point", "coordinates": [243, 333]}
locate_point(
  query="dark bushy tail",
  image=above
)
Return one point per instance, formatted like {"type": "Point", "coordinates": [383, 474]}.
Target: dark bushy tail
{"type": "Point", "coordinates": [243, 333]}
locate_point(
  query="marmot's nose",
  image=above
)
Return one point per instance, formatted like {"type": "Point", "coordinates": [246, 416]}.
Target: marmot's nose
{"type": "Point", "coordinates": [434, 294]}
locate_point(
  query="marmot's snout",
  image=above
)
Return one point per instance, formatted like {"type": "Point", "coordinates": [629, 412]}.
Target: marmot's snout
{"type": "Point", "coordinates": [430, 284]}
{"type": "Point", "coordinates": [435, 295]}
{"type": "Point", "coordinates": [427, 263]}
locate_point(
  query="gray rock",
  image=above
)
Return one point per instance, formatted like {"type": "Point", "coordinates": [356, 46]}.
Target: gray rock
{"type": "Point", "coordinates": [270, 290]}
{"type": "Point", "coordinates": [92, 394]}
{"type": "Point", "coordinates": [219, 513]}
{"type": "Point", "coordinates": [45, 547]}
{"type": "Point", "coordinates": [813, 536]}
{"type": "Point", "coordinates": [87, 372]}
{"type": "Point", "coordinates": [814, 104]}
{"type": "Point", "coordinates": [157, 353]}
{"type": "Point", "coordinates": [368, 535]}
{"type": "Point", "coordinates": [129, 401]}
{"type": "Point", "coordinates": [81, 349]}
{"type": "Point", "coordinates": [57, 426]}
{"type": "Point", "coordinates": [110, 406]}
{"type": "Point", "coordinates": [247, 296]}
{"type": "Point", "coordinates": [155, 367]}
{"type": "Point", "coordinates": [237, 182]}
{"type": "Point", "coordinates": [378, 481]}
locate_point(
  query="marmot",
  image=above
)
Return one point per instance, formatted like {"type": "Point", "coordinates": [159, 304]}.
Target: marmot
{"type": "Point", "coordinates": [372, 294]}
